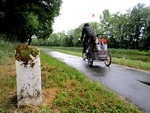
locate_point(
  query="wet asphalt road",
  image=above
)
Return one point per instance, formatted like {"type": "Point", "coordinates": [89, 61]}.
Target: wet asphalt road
{"type": "Point", "coordinates": [131, 83]}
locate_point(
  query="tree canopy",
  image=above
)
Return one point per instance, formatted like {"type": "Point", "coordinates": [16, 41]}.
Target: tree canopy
{"type": "Point", "coordinates": [20, 19]}
{"type": "Point", "coordinates": [130, 30]}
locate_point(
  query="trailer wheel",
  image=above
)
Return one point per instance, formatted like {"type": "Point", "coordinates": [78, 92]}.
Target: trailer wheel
{"type": "Point", "coordinates": [109, 59]}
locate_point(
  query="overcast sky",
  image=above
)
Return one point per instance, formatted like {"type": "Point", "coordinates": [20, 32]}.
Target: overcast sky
{"type": "Point", "coordinates": [75, 12]}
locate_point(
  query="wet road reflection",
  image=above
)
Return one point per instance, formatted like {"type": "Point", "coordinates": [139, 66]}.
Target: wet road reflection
{"type": "Point", "coordinates": [131, 83]}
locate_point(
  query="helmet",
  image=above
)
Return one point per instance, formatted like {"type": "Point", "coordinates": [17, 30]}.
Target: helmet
{"type": "Point", "coordinates": [86, 24]}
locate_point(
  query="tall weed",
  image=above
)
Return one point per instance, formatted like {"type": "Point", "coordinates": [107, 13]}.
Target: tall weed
{"type": "Point", "coordinates": [6, 50]}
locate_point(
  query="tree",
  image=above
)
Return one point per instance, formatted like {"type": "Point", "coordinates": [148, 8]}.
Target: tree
{"type": "Point", "coordinates": [130, 30]}
{"type": "Point", "coordinates": [138, 26]}
{"type": "Point", "coordinates": [76, 35]}
{"type": "Point", "coordinates": [105, 21]}
{"type": "Point", "coordinates": [20, 19]}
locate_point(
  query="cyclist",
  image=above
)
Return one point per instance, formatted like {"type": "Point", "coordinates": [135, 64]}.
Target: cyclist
{"type": "Point", "coordinates": [87, 37]}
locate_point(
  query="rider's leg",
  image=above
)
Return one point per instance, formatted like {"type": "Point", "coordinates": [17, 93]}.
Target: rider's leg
{"type": "Point", "coordinates": [84, 47]}
{"type": "Point", "coordinates": [92, 44]}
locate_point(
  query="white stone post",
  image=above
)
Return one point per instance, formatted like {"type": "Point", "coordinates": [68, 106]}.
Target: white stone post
{"type": "Point", "coordinates": [28, 81]}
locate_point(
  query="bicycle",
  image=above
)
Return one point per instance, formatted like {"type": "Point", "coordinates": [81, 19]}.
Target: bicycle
{"type": "Point", "coordinates": [100, 53]}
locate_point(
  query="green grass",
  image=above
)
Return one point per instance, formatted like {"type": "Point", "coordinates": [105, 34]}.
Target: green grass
{"type": "Point", "coordinates": [130, 51]}
{"type": "Point", "coordinates": [79, 94]}
{"type": "Point", "coordinates": [131, 58]}
{"type": "Point", "coordinates": [132, 63]}
{"type": "Point", "coordinates": [64, 89]}
{"type": "Point", "coordinates": [143, 56]}
{"type": "Point", "coordinates": [6, 50]}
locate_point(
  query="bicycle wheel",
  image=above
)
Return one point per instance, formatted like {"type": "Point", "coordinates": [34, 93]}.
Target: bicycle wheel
{"type": "Point", "coordinates": [90, 59]}
{"type": "Point", "coordinates": [108, 62]}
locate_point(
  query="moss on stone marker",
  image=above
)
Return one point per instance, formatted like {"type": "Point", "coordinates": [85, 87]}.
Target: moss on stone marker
{"type": "Point", "coordinates": [26, 54]}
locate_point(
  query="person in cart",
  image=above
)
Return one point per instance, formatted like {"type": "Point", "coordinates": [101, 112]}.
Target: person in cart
{"type": "Point", "coordinates": [87, 37]}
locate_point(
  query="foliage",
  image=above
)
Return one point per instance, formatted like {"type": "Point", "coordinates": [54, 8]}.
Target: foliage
{"type": "Point", "coordinates": [19, 20]}
{"type": "Point", "coordinates": [69, 39]}
{"type": "Point", "coordinates": [130, 30]}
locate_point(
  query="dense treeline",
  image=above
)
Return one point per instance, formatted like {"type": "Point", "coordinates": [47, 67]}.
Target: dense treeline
{"type": "Point", "coordinates": [130, 30]}
{"type": "Point", "coordinates": [20, 19]}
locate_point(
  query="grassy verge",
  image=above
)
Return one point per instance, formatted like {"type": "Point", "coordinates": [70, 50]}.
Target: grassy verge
{"type": "Point", "coordinates": [76, 93]}
{"type": "Point", "coordinates": [143, 56]}
{"type": "Point", "coordinates": [131, 58]}
{"type": "Point", "coordinates": [64, 89]}
{"type": "Point", "coordinates": [132, 63]}
{"type": "Point", "coordinates": [6, 50]}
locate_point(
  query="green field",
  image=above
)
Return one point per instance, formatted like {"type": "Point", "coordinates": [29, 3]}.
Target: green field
{"type": "Point", "coordinates": [143, 56]}
{"type": "Point", "coordinates": [64, 90]}
{"type": "Point", "coordinates": [132, 58]}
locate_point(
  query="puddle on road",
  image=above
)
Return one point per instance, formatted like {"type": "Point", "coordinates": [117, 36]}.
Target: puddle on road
{"type": "Point", "coordinates": [146, 83]}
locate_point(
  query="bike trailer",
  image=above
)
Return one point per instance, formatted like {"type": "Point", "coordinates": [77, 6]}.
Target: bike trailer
{"type": "Point", "coordinates": [101, 46]}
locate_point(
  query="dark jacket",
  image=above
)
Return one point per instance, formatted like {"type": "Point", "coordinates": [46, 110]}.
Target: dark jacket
{"type": "Point", "coordinates": [87, 33]}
